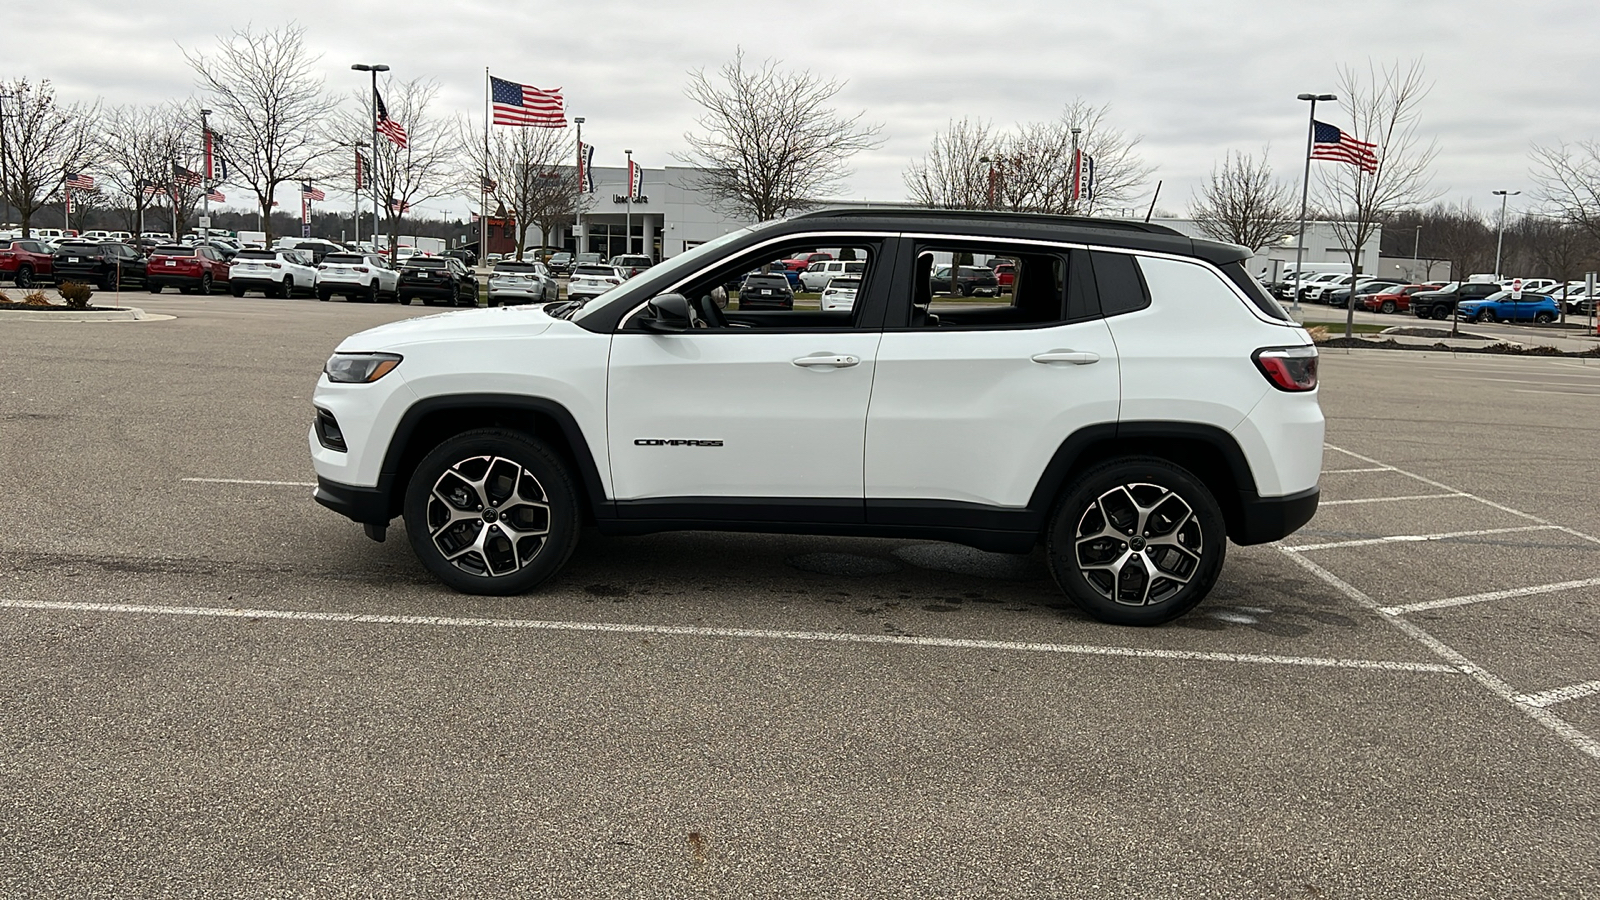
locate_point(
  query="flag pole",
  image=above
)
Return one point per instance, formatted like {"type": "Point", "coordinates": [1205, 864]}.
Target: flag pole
{"type": "Point", "coordinates": [483, 183]}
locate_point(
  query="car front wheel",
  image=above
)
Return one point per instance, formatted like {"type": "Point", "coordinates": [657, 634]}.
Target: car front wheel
{"type": "Point", "coordinates": [1137, 541]}
{"type": "Point", "coordinates": [1544, 318]}
{"type": "Point", "coordinates": [492, 511]}
{"type": "Point", "coordinates": [1484, 315]}
{"type": "Point", "coordinates": [1386, 307]}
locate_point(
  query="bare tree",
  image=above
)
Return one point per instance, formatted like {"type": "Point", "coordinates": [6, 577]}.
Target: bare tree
{"type": "Point", "coordinates": [1568, 177]}
{"type": "Point", "coordinates": [140, 144]}
{"type": "Point", "coordinates": [41, 142]}
{"type": "Point", "coordinates": [270, 108]}
{"type": "Point", "coordinates": [1383, 106]}
{"type": "Point", "coordinates": [1032, 167]}
{"type": "Point", "coordinates": [958, 172]}
{"type": "Point", "coordinates": [1243, 204]}
{"type": "Point", "coordinates": [425, 168]}
{"type": "Point", "coordinates": [534, 176]}
{"type": "Point", "coordinates": [1558, 249]}
{"type": "Point", "coordinates": [770, 141]}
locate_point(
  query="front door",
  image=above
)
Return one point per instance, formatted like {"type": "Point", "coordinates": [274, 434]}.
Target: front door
{"type": "Point", "coordinates": [753, 410]}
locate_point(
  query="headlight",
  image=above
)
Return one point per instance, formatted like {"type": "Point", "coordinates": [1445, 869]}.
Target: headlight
{"type": "Point", "coordinates": [359, 368]}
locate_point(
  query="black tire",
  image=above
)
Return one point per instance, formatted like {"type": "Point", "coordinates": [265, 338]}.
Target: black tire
{"type": "Point", "coordinates": [185, 289]}
{"type": "Point", "coordinates": [1098, 519]}
{"type": "Point", "coordinates": [1386, 307]}
{"type": "Point", "coordinates": [1543, 318]}
{"type": "Point", "coordinates": [286, 288]}
{"type": "Point", "coordinates": [108, 282]}
{"type": "Point", "coordinates": [372, 293]}
{"type": "Point", "coordinates": [324, 294]}
{"type": "Point", "coordinates": [236, 290]}
{"type": "Point", "coordinates": [205, 285]}
{"type": "Point", "coordinates": [963, 291]}
{"type": "Point", "coordinates": [492, 456]}
{"type": "Point", "coordinates": [1440, 312]}
{"type": "Point", "coordinates": [24, 278]}
{"type": "Point", "coordinates": [1483, 316]}
{"type": "Point", "coordinates": [153, 287]}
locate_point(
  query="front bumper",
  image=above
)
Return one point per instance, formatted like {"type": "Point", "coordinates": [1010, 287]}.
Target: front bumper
{"type": "Point", "coordinates": [367, 505]}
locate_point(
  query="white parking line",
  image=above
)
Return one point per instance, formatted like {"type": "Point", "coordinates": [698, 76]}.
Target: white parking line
{"type": "Point", "coordinates": [1490, 682]}
{"type": "Point", "coordinates": [1445, 487]}
{"type": "Point", "coordinates": [1560, 695]}
{"type": "Point", "coordinates": [1488, 596]}
{"type": "Point", "coordinates": [251, 481]}
{"type": "Point", "coordinates": [1351, 471]}
{"type": "Point", "coordinates": [741, 633]}
{"type": "Point", "coordinates": [1560, 393]}
{"type": "Point", "coordinates": [1415, 538]}
{"type": "Point", "coordinates": [1389, 499]}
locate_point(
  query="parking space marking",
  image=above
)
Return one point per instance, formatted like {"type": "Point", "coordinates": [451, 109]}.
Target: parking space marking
{"type": "Point", "coordinates": [1352, 471]}
{"type": "Point", "coordinates": [1445, 487]}
{"type": "Point", "coordinates": [1560, 695]}
{"type": "Point", "coordinates": [252, 481]}
{"type": "Point", "coordinates": [1559, 393]}
{"type": "Point", "coordinates": [1489, 681]}
{"type": "Point", "coordinates": [739, 633]}
{"type": "Point", "coordinates": [1390, 499]}
{"type": "Point", "coordinates": [1490, 595]}
{"type": "Point", "coordinates": [1415, 538]}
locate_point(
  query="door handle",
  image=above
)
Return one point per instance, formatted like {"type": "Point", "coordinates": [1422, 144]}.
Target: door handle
{"type": "Point", "coordinates": [827, 361]}
{"type": "Point", "coordinates": [1076, 357]}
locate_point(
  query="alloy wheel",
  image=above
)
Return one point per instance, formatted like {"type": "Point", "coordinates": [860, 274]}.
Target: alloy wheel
{"type": "Point", "coordinates": [1138, 544]}
{"type": "Point", "coordinates": [488, 516]}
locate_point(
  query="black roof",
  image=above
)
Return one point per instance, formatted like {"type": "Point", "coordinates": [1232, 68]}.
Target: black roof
{"type": "Point", "coordinates": [1084, 229]}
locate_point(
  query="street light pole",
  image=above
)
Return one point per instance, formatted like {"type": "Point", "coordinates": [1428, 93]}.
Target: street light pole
{"type": "Point", "coordinates": [1500, 239]}
{"type": "Point", "coordinates": [372, 174]}
{"type": "Point", "coordinates": [577, 214]}
{"type": "Point", "coordinates": [1305, 192]}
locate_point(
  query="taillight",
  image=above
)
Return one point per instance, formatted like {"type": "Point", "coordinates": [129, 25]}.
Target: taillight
{"type": "Point", "coordinates": [272, 265]}
{"type": "Point", "coordinates": [1288, 368]}
{"type": "Point", "coordinates": [363, 269]}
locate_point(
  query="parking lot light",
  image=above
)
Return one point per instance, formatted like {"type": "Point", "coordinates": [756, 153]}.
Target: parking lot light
{"type": "Point", "coordinates": [1499, 241]}
{"type": "Point", "coordinates": [1305, 189]}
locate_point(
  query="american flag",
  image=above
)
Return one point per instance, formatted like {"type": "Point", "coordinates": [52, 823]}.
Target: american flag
{"type": "Point", "coordinates": [523, 104]}
{"type": "Point", "coordinates": [391, 129]}
{"type": "Point", "coordinates": [474, 218]}
{"type": "Point", "coordinates": [151, 188]}
{"type": "Point", "coordinates": [185, 177]}
{"type": "Point", "coordinates": [215, 196]}
{"type": "Point", "coordinates": [310, 193]}
{"type": "Point", "coordinates": [395, 206]}
{"type": "Point", "coordinates": [488, 185]}
{"type": "Point", "coordinates": [80, 182]}
{"type": "Point", "coordinates": [1330, 142]}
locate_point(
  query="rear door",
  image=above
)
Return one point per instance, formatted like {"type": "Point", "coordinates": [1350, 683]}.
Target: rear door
{"type": "Point", "coordinates": [973, 396]}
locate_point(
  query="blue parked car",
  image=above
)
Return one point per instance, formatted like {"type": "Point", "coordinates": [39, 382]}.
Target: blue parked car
{"type": "Point", "coordinates": [1501, 308]}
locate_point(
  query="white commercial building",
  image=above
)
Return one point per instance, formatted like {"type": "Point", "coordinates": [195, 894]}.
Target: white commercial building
{"type": "Point", "coordinates": [1322, 246]}
{"type": "Point", "coordinates": [671, 215]}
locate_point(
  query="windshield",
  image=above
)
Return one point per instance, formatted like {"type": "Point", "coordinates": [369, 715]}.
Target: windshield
{"type": "Point", "coordinates": [665, 273]}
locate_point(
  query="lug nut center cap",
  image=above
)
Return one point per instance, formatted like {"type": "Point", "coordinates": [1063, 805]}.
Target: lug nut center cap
{"type": "Point", "coordinates": [1136, 544]}
{"type": "Point", "coordinates": [490, 514]}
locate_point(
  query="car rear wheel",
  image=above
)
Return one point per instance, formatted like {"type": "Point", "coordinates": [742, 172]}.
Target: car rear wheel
{"type": "Point", "coordinates": [286, 289]}
{"type": "Point", "coordinates": [372, 293]}
{"type": "Point", "coordinates": [153, 287]}
{"type": "Point", "coordinates": [237, 290]}
{"type": "Point", "coordinates": [492, 511]}
{"type": "Point", "coordinates": [324, 294]}
{"type": "Point", "coordinates": [205, 285]}
{"type": "Point", "coordinates": [1440, 312]}
{"type": "Point", "coordinates": [1386, 307]}
{"type": "Point", "coordinates": [1136, 541]}
{"type": "Point", "coordinates": [24, 278]}
{"type": "Point", "coordinates": [1543, 318]}
{"type": "Point", "coordinates": [108, 282]}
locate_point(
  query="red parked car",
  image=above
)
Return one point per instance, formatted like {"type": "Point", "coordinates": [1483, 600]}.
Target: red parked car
{"type": "Point", "coordinates": [24, 262]}
{"type": "Point", "coordinates": [1006, 274]}
{"type": "Point", "coordinates": [802, 261]}
{"type": "Point", "coordinates": [189, 269]}
{"type": "Point", "coordinates": [1396, 299]}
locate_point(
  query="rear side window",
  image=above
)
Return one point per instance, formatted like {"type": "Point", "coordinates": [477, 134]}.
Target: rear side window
{"type": "Point", "coordinates": [1121, 286]}
{"type": "Point", "coordinates": [1252, 288]}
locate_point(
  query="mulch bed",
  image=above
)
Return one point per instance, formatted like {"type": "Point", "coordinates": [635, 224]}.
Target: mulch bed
{"type": "Point", "coordinates": [1505, 349]}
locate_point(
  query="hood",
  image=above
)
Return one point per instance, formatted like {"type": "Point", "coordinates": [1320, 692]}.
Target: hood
{"type": "Point", "coordinates": [523, 321]}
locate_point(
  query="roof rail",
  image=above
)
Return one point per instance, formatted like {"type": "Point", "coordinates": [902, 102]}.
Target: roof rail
{"type": "Point", "coordinates": [991, 216]}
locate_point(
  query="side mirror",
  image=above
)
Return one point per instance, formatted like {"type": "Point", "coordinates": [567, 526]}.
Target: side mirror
{"type": "Point", "coordinates": [668, 313]}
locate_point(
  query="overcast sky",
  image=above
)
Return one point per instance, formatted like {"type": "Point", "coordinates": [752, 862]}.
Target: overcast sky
{"type": "Point", "coordinates": [1195, 79]}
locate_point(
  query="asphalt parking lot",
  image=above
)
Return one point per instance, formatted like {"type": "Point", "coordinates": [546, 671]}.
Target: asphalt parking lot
{"type": "Point", "coordinates": [217, 687]}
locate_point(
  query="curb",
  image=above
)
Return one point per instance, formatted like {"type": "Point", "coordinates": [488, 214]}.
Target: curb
{"type": "Point", "coordinates": [1434, 352]}
{"type": "Point", "coordinates": [114, 314]}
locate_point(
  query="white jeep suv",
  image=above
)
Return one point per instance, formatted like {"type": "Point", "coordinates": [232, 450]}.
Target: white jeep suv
{"type": "Point", "coordinates": [1139, 402]}
{"type": "Point", "coordinates": [357, 276]}
{"type": "Point", "coordinates": [275, 273]}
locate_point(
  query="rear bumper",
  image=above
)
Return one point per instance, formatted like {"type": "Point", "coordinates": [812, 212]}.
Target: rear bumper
{"type": "Point", "coordinates": [1267, 519]}
{"type": "Point", "coordinates": [427, 288]}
